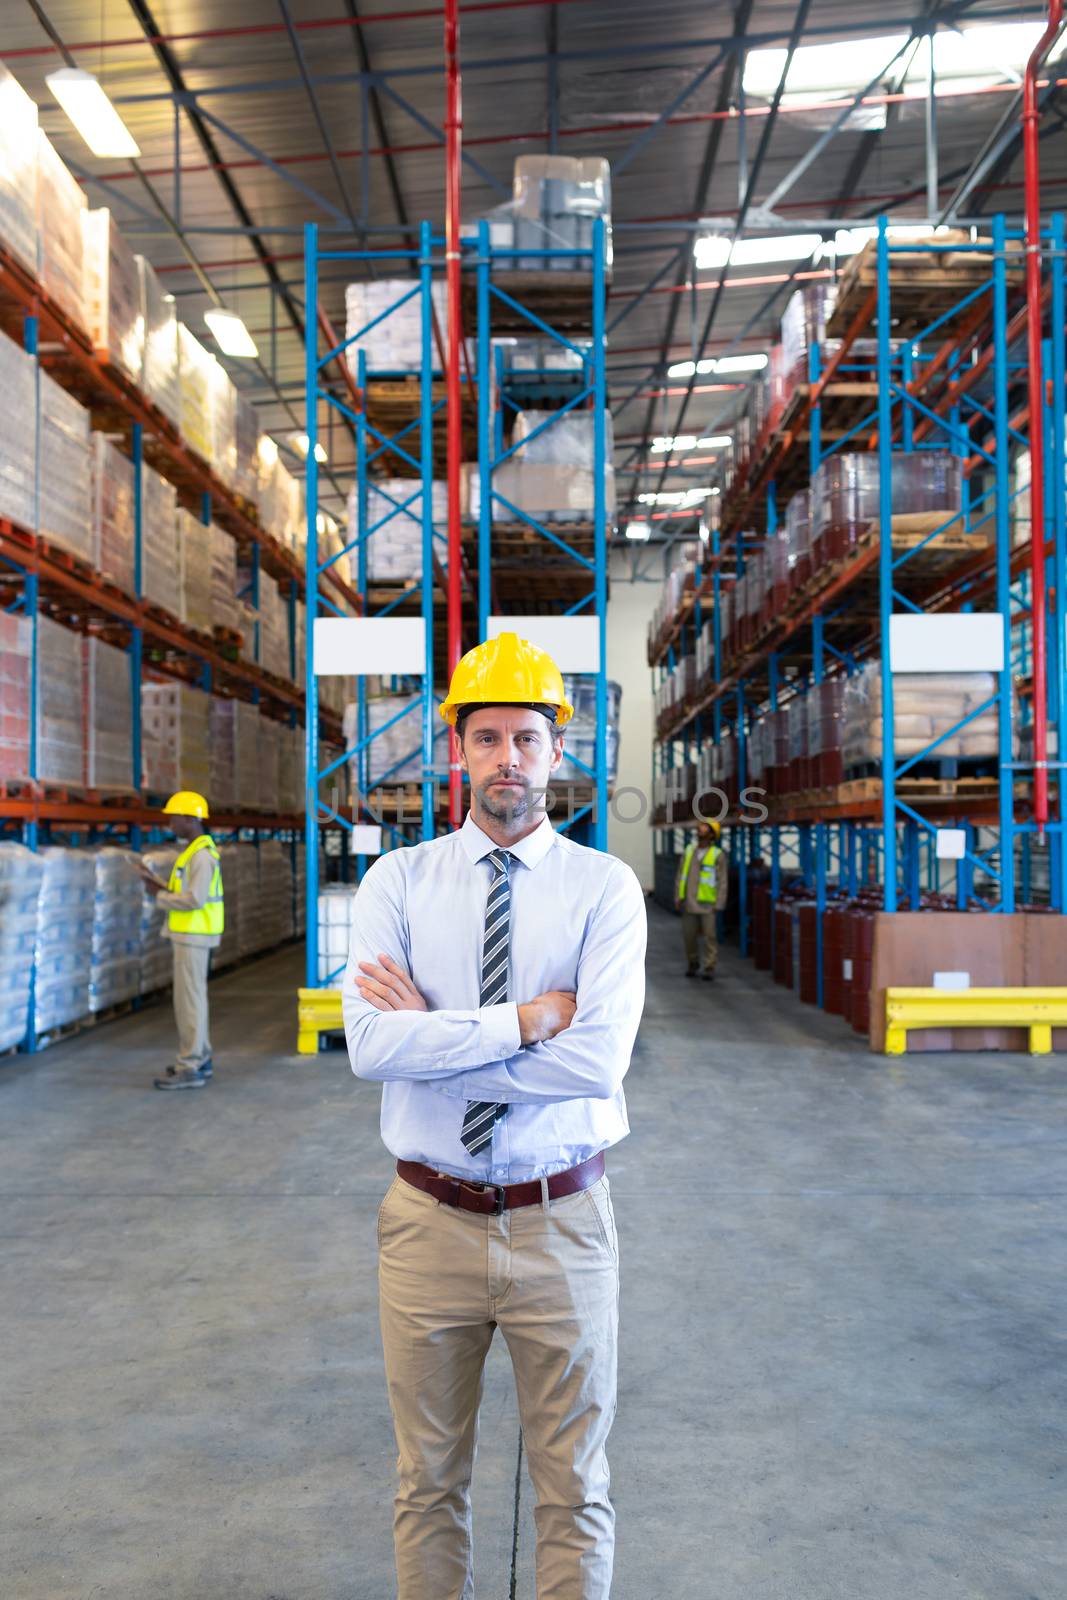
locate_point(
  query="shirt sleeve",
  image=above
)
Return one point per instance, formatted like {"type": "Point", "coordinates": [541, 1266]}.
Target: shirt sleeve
{"type": "Point", "coordinates": [198, 875]}
{"type": "Point", "coordinates": [588, 1060]}
{"type": "Point", "coordinates": [384, 1045]}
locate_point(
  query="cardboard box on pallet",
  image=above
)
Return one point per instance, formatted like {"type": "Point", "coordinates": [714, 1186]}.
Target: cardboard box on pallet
{"type": "Point", "coordinates": [64, 941]}
{"type": "Point", "coordinates": [394, 343]}
{"type": "Point", "coordinates": [196, 370]}
{"type": "Point", "coordinates": [159, 542]}
{"type": "Point", "coordinates": [61, 203]}
{"type": "Point", "coordinates": [108, 717]}
{"type": "Point", "coordinates": [112, 293]}
{"type": "Point", "coordinates": [175, 738]}
{"type": "Point", "coordinates": [160, 379]}
{"type": "Point", "coordinates": [18, 446]}
{"type": "Point", "coordinates": [18, 171]}
{"type": "Point", "coordinates": [112, 491]}
{"type": "Point", "coordinates": [115, 960]}
{"type": "Point", "coordinates": [65, 507]}
{"type": "Point", "coordinates": [21, 875]}
{"type": "Point", "coordinates": [245, 444]}
{"type": "Point", "coordinates": [394, 513]}
{"type": "Point", "coordinates": [225, 612]}
{"type": "Point", "coordinates": [194, 571]}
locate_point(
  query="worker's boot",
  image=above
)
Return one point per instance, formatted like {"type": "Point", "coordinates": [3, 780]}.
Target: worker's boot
{"type": "Point", "coordinates": [205, 1069]}
{"type": "Point", "coordinates": [185, 1079]}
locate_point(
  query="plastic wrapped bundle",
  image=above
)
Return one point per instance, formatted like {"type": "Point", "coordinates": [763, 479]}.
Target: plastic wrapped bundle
{"type": "Point", "coordinates": [112, 512]}
{"type": "Point", "coordinates": [336, 909]}
{"type": "Point", "coordinates": [108, 717]}
{"type": "Point", "coordinates": [235, 727]}
{"type": "Point", "coordinates": [159, 542]}
{"type": "Point", "coordinates": [157, 952]}
{"type": "Point", "coordinates": [394, 512]}
{"type": "Point", "coordinates": [250, 932]}
{"type": "Point", "coordinates": [826, 730]}
{"type": "Point", "coordinates": [16, 660]}
{"type": "Point", "coordinates": [66, 503]}
{"type": "Point", "coordinates": [776, 770]}
{"type": "Point", "coordinates": [175, 738]}
{"type": "Point", "coordinates": [395, 755]}
{"type": "Point", "coordinates": [798, 538]}
{"type": "Point", "coordinates": [579, 741]}
{"type": "Point", "coordinates": [64, 941]}
{"type": "Point", "coordinates": [845, 494]}
{"type": "Point", "coordinates": [61, 203]}
{"type": "Point", "coordinates": [222, 421]}
{"type": "Point", "coordinates": [194, 571]}
{"type": "Point", "coordinates": [246, 446]}
{"type": "Point", "coordinates": [196, 370]}
{"type": "Point", "coordinates": [160, 379]}
{"type": "Point", "coordinates": [60, 704]}
{"type": "Point", "coordinates": [224, 610]}
{"type": "Point", "coordinates": [112, 294]}
{"type": "Point", "coordinates": [551, 477]}
{"type": "Point", "coordinates": [275, 892]}
{"type": "Point", "coordinates": [291, 770]}
{"type": "Point", "coordinates": [267, 767]}
{"type": "Point", "coordinates": [540, 357]}
{"type": "Point", "coordinates": [18, 171]}
{"type": "Point", "coordinates": [554, 202]}
{"type": "Point", "coordinates": [799, 764]}
{"type": "Point", "coordinates": [18, 438]}
{"type": "Point", "coordinates": [394, 344]}
{"type": "Point", "coordinates": [925, 705]}
{"type": "Point", "coordinates": [804, 322]}
{"type": "Point", "coordinates": [273, 629]}
{"type": "Point", "coordinates": [21, 875]}
{"type": "Point", "coordinates": [223, 768]}
{"type": "Point", "coordinates": [115, 965]}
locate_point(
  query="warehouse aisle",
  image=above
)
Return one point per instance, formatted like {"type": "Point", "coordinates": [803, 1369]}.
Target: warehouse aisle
{"type": "Point", "coordinates": [841, 1301]}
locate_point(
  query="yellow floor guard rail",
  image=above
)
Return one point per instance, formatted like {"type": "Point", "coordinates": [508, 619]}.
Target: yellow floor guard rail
{"type": "Point", "coordinates": [317, 1011]}
{"type": "Point", "coordinates": [1039, 1009]}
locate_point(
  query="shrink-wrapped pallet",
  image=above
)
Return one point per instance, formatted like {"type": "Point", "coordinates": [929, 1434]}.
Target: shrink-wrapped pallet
{"type": "Point", "coordinates": [115, 961]}
{"type": "Point", "coordinates": [291, 771]}
{"type": "Point", "coordinates": [16, 665]}
{"type": "Point", "coordinates": [554, 467]}
{"type": "Point", "coordinates": [579, 736]}
{"type": "Point", "coordinates": [112, 294]}
{"type": "Point", "coordinates": [798, 538]}
{"type": "Point", "coordinates": [246, 447]}
{"type": "Point", "coordinates": [108, 717]}
{"type": "Point", "coordinates": [65, 515]}
{"type": "Point", "coordinates": [60, 204]}
{"type": "Point", "coordinates": [112, 490]}
{"type": "Point", "coordinates": [845, 494]}
{"type": "Point", "coordinates": [555, 200]}
{"type": "Point", "coordinates": [194, 571]}
{"type": "Point", "coordinates": [223, 794]}
{"type": "Point", "coordinates": [159, 542]}
{"type": "Point", "coordinates": [18, 171]}
{"type": "Point", "coordinates": [157, 952]}
{"type": "Point", "coordinates": [393, 528]}
{"type": "Point", "coordinates": [18, 435]}
{"type": "Point", "coordinates": [267, 764]}
{"type": "Point", "coordinates": [196, 368]}
{"type": "Point", "coordinates": [925, 705]}
{"type": "Point", "coordinates": [64, 940]}
{"type": "Point", "coordinates": [21, 875]}
{"type": "Point", "coordinates": [275, 892]}
{"type": "Point", "coordinates": [60, 704]}
{"type": "Point", "coordinates": [160, 379]}
{"type": "Point", "coordinates": [222, 413]}
{"type": "Point", "coordinates": [235, 727]}
{"type": "Point", "coordinates": [273, 629]}
{"type": "Point", "coordinates": [394, 754]}
{"type": "Point", "coordinates": [175, 732]}
{"type": "Point", "coordinates": [394, 344]}
{"type": "Point", "coordinates": [336, 912]}
{"type": "Point", "coordinates": [224, 607]}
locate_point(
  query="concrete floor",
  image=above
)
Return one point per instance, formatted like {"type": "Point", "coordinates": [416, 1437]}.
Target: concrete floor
{"type": "Point", "coordinates": [843, 1310]}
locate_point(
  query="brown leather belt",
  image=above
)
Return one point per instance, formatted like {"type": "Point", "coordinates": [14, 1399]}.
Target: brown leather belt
{"type": "Point", "coordinates": [492, 1199]}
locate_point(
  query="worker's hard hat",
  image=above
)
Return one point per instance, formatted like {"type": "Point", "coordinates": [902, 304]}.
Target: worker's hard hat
{"type": "Point", "coordinates": [186, 803]}
{"type": "Point", "coordinates": [506, 670]}
{"type": "Point", "coordinates": [716, 827]}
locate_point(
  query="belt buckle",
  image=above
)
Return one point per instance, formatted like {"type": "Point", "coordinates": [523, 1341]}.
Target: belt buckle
{"type": "Point", "coordinates": [501, 1194]}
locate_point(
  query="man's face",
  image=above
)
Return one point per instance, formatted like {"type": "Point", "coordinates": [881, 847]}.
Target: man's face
{"type": "Point", "coordinates": [704, 834]}
{"type": "Point", "coordinates": [509, 754]}
{"type": "Point", "coordinates": [186, 828]}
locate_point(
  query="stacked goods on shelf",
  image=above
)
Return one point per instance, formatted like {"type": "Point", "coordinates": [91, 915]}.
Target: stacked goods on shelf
{"type": "Point", "coordinates": [160, 379]}
{"type": "Point", "coordinates": [64, 943]}
{"type": "Point", "coordinates": [273, 629]}
{"type": "Point", "coordinates": [675, 692]}
{"type": "Point", "coordinates": [112, 489]}
{"type": "Point", "coordinates": [542, 357]}
{"type": "Point", "coordinates": [159, 542]}
{"type": "Point", "coordinates": [112, 294]}
{"type": "Point", "coordinates": [267, 764]}
{"type": "Point", "coordinates": [393, 527]}
{"type": "Point", "coordinates": [395, 754]}
{"type": "Point", "coordinates": [60, 704]}
{"type": "Point", "coordinates": [235, 729]}
{"type": "Point", "coordinates": [61, 203]}
{"type": "Point", "coordinates": [927, 486]}
{"type": "Point", "coordinates": [16, 664]}
{"type": "Point", "coordinates": [18, 448]}
{"type": "Point", "coordinates": [796, 714]}
{"type": "Point", "coordinates": [228, 949]}
{"type": "Point", "coordinates": [196, 371]}
{"type": "Point", "coordinates": [18, 171]}
{"type": "Point", "coordinates": [290, 770]}
{"type": "Point", "coordinates": [175, 738]}
{"type": "Point", "coordinates": [275, 892]}
{"type": "Point", "coordinates": [115, 964]}
{"type": "Point", "coordinates": [803, 327]}
{"type": "Point", "coordinates": [65, 515]}
{"type": "Point", "coordinates": [222, 423]}
{"type": "Point", "coordinates": [825, 704]}
{"type": "Point", "coordinates": [21, 875]}
{"type": "Point", "coordinates": [157, 952]}
{"type": "Point", "coordinates": [680, 580]}
{"type": "Point", "coordinates": [225, 612]}
{"type": "Point", "coordinates": [194, 572]}
{"type": "Point", "coordinates": [925, 706]}
{"type": "Point", "coordinates": [798, 538]}
{"type": "Point", "coordinates": [336, 908]}
{"type": "Point", "coordinates": [223, 794]}
{"type": "Point", "coordinates": [245, 876]}
{"type": "Point", "coordinates": [394, 344]}
{"type": "Point", "coordinates": [776, 755]}
{"type": "Point", "coordinates": [551, 477]}
{"type": "Point", "coordinates": [579, 742]}
{"type": "Point", "coordinates": [554, 202]}
{"type": "Point", "coordinates": [245, 449]}
{"type": "Point", "coordinates": [108, 717]}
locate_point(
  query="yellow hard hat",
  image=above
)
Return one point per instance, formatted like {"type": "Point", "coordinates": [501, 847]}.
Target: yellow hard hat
{"type": "Point", "coordinates": [506, 670]}
{"type": "Point", "coordinates": [187, 803]}
{"type": "Point", "coordinates": [716, 827]}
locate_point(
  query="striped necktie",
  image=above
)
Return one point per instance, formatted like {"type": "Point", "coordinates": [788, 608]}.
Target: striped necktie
{"type": "Point", "coordinates": [481, 1115]}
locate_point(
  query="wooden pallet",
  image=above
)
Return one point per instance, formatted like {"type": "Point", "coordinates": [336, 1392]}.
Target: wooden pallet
{"type": "Point", "coordinates": [562, 299]}
{"type": "Point", "coordinates": [394, 404]}
{"type": "Point", "coordinates": [923, 286]}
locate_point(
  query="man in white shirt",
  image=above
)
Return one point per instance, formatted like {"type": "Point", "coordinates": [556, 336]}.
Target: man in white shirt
{"type": "Point", "coordinates": [494, 987]}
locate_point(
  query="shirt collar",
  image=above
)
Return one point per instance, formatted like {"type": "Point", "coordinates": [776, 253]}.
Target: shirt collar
{"type": "Point", "coordinates": [530, 851]}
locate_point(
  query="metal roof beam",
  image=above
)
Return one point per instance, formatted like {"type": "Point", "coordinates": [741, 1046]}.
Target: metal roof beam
{"type": "Point", "coordinates": [635, 146]}
{"type": "Point", "coordinates": [283, 173]}
{"type": "Point", "coordinates": [316, 112]}
{"type": "Point", "coordinates": [437, 134]}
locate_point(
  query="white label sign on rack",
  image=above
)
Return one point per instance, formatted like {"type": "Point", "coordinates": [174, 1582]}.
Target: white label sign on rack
{"type": "Point", "coordinates": [946, 641]}
{"type": "Point", "coordinates": [347, 647]}
{"type": "Point", "coordinates": [366, 839]}
{"type": "Point", "coordinates": [572, 642]}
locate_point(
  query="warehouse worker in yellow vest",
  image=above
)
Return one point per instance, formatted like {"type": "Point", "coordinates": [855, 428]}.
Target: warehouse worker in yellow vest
{"type": "Point", "coordinates": [700, 892]}
{"type": "Point", "coordinates": [193, 901]}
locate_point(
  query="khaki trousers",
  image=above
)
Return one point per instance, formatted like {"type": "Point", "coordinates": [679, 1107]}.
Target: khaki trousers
{"type": "Point", "coordinates": [548, 1276]}
{"type": "Point", "coordinates": [191, 963]}
{"type": "Point", "coordinates": [701, 941]}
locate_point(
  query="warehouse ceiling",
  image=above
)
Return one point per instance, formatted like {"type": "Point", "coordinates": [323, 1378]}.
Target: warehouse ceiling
{"type": "Point", "coordinates": [255, 117]}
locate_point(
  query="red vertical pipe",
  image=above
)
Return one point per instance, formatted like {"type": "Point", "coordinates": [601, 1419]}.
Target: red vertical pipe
{"type": "Point", "coordinates": [1039, 609]}
{"type": "Point", "coordinates": [453, 392]}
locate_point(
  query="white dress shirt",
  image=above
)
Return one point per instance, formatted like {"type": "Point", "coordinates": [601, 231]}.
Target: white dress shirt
{"type": "Point", "coordinates": [577, 923]}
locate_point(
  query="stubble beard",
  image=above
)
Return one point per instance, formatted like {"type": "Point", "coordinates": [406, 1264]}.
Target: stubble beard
{"type": "Point", "coordinates": [515, 806]}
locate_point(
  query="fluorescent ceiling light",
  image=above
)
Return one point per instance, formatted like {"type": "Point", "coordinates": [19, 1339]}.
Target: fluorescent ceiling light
{"type": "Point", "coordinates": [715, 441]}
{"type": "Point", "coordinates": [92, 113]}
{"type": "Point", "coordinates": [231, 335]}
{"type": "Point", "coordinates": [820, 68]}
{"type": "Point", "coordinates": [687, 369]}
{"type": "Point", "coordinates": [848, 241]}
{"type": "Point", "coordinates": [714, 249]}
{"type": "Point", "coordinates": [676, 497]}
{"type": "Point", "coordinates": [663, 443]}
{"type": "Point", "coordinates": [638, 530]}
{"type": "Point", "coordinates": [301, 442]}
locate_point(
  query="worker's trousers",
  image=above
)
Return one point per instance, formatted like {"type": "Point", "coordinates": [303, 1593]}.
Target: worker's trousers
{"type": "Point", "coordinates": [191, 964]}
{"type": "Point", "coordinates": [548, 1275]}
{"type": "Point", "coordinates": [701, 940]}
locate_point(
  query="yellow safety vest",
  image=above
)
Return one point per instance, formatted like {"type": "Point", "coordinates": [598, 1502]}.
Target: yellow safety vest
{"type": "Point", "coordinates": [707, 884]}
{"type": "Point", "coordinates": [209, 919]}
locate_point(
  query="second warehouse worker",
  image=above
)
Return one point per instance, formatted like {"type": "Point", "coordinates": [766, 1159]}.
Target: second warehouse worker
{"type": "Point", "coordinates": [193, 902]}
{"type": "Point", "coordinates": [494, 987]}
{"type": "Point", "coordinates": [700, 891]}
